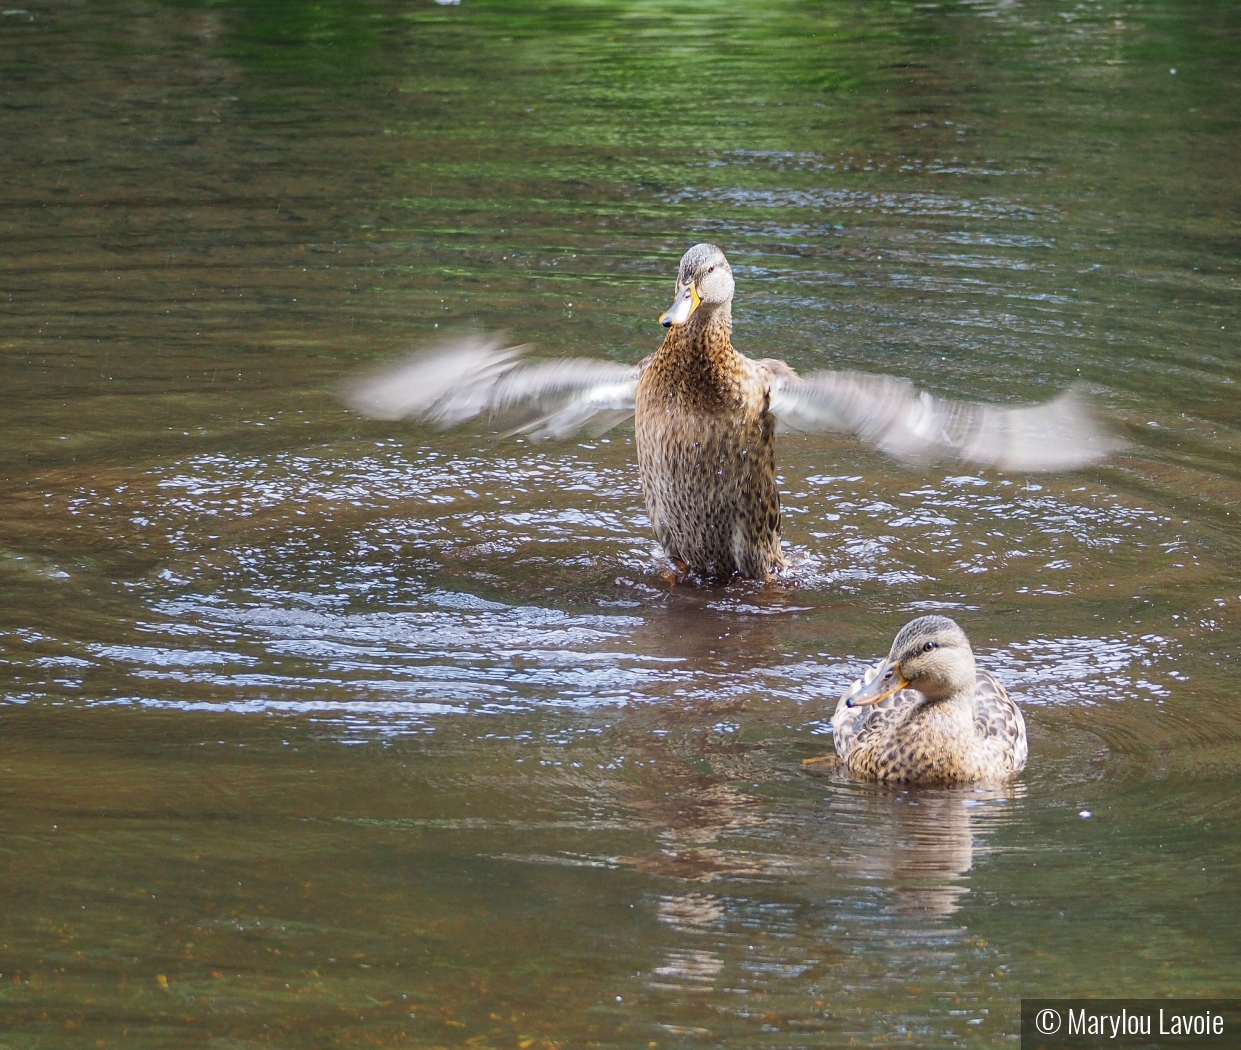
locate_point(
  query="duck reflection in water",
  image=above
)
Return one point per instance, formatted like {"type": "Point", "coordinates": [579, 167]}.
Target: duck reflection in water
{"type": "Point", "coordinates": [690, 969]}
{"type": "Point", "coordinates": [921, 844]}
{"type": "Point", "coordinates": [706, 416]}
{"type": "Point", "coordinates": [909, 850]}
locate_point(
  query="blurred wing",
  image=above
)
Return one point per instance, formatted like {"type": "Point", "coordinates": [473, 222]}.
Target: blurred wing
{"type": "Point", "coordinates": [891, 415]}
{"type": "Point", "coordinates": [471, 377]}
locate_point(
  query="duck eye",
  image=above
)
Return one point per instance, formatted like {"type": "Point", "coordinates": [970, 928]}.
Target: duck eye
{"type": "Point", "coordinates": [710, 269]}
{"type": "Point", "coordinates": [929, 646]}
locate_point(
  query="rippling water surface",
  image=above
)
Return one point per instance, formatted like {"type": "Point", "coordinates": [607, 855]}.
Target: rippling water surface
{"type": "Point", "coordinates": [317, 731]}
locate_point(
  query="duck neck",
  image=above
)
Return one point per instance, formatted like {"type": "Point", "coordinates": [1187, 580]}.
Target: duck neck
{"type": "Point", "coordinates": [717, 318]}
{"type": "Point", "coordinates": [955, 711]}
{"type": "Point", "coordinates": [704, 342]}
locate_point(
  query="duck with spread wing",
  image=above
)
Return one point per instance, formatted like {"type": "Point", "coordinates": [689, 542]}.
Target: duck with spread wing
{"type": "Point", "coordinates": [705, 419]}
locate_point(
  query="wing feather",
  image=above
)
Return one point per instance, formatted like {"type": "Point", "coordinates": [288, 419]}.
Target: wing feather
{"type": "Point", "coordinates": [914, 426]}
{"type": "Point", "coordinates": [470, 377]}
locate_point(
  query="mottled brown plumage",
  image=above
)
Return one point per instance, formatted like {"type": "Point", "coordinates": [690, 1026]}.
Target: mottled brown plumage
{"type": "Point", "coordinates": [706, 439]}
{"type": "Point", "coordinates": [927, 715]}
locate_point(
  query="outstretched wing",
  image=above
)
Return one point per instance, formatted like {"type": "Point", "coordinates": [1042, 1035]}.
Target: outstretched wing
{"type": "Point", "coordinates": [914, 426]}
{"type": "Point", "coordinates": [473, 376]}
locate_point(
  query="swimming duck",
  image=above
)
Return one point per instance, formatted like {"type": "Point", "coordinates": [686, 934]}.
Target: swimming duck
{"type": "Point", "coordinates": [706, 416]}
{"type": "Point", "coordinates": [927, 715]}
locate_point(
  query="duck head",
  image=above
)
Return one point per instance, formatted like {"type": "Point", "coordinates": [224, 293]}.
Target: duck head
{"type": "Point", "coordinates": [930, 654]}
{"type": "Point", "coordinates": [704, 280]}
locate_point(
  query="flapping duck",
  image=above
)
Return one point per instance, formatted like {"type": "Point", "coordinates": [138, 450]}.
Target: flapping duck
{"type": "Point", "coordinates": [706, 415]}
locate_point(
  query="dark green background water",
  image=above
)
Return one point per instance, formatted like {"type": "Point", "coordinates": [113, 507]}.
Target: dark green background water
{"type": "Point", "coordinates": [324, 732]}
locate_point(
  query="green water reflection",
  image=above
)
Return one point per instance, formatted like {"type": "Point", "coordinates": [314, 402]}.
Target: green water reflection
{"type": "Point", "coordinates": [320, 732]}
